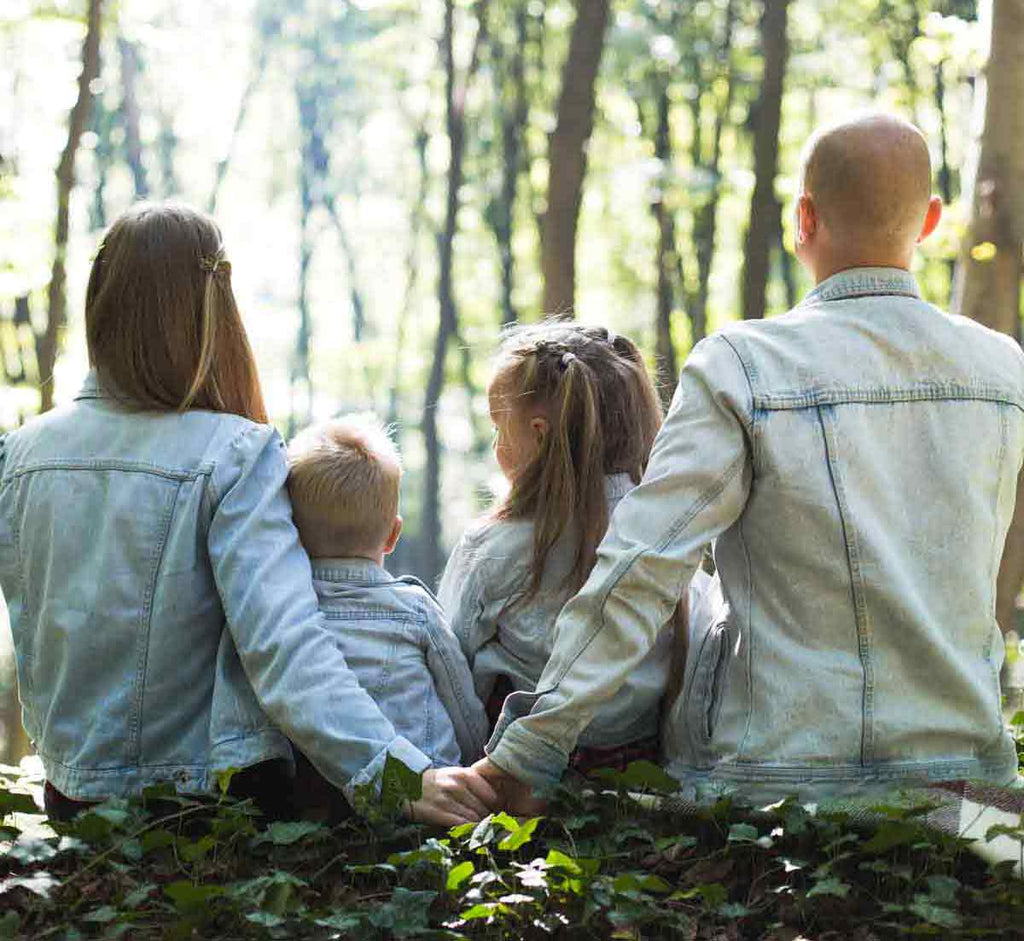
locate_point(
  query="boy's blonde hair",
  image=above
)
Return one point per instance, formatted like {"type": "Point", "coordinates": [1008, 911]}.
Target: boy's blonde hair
{"type": "Point", "coordinates": [343, 479]}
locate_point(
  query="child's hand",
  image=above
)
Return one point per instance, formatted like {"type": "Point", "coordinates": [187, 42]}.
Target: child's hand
{"type": "Point", "coordinates": [452, 796]}
{"type": "Point", "coordinates": [515, 794]}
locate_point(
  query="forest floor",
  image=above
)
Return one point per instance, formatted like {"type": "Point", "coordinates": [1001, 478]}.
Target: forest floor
{"type": "Point", "coordinates": [600, 864]}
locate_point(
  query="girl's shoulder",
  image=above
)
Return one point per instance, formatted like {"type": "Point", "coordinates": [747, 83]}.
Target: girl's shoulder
{"type": "Point", "coordinates": [499, 536]}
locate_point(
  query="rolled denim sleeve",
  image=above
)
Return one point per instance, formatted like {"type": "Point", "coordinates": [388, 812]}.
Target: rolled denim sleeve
{"type": "Point", "coordinates": [454, 685]}
{"type": "Point", "coordinates": [264, 578]}
{"type": "Point", "coordinates": [696, 486]}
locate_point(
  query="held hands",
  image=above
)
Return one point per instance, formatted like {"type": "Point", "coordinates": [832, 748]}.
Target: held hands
{"type": "Point", "coordinates": [515, 795]}
{"type": "Point", "coordinates": [452, 796]}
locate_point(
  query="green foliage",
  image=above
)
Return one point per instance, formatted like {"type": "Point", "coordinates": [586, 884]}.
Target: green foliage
{"type": "Point", "coordinates": [598, 865]}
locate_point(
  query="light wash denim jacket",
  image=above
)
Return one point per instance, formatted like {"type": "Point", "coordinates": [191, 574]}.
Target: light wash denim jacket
{"type": "Point", "coordinates": [404, 654]}
{"type": "Point", "coordinates": [857, 459]}
{"type": "Point", "coordinates": [488, 571]}
{"type": "Point", "coordinates": [164, 619]}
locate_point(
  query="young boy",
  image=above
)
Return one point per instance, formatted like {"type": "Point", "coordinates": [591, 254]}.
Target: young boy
{"type": "Point", "coordinates": [343, 481]}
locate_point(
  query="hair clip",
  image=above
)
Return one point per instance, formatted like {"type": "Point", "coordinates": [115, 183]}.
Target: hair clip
{"type": "Point", "coordinates": [211, 263]}
{"type": "Point", "coordinates": [567, 358]}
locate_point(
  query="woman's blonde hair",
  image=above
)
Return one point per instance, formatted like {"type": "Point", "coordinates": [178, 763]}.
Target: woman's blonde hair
{"type": "Point", "coordinates": [603, 413]}
{"type": "Point", "coordinates": [161, 322]}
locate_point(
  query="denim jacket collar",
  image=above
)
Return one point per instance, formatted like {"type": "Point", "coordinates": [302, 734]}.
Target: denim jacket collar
{"type": "Point", "coordinates": [91, 388]}
{"type": "Point", "coordinates": [864, 282]}
{"type": "Point", "coordinates": [350, 569]}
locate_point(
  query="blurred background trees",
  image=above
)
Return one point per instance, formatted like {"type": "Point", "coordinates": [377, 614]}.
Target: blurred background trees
{"type": "Point", "coordinates": [396, 181]}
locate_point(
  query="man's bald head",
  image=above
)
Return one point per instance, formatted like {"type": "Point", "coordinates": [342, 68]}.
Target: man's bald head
{"type": "Point", "coordinates": [870, 181]}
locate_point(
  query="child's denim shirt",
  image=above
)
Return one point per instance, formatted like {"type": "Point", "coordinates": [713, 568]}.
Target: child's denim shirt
{"type": "Point", "coordinates": [164, 619]}
{"type": "Point", "coordinates": [488, 571]}
{"type": "Point", "coordinates": [857, 460]}
{"type": "Point", "coordinates": [397, 642]}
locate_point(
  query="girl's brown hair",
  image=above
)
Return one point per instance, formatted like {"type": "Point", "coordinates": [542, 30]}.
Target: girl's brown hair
{"type": "Point", "coordinates": [161, 322]}
{"type": "Point", "coordinates": [603, 413]}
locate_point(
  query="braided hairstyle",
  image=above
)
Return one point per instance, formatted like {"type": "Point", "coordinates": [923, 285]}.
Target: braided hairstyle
{"type": "Point", "coordinates": [602, 412]}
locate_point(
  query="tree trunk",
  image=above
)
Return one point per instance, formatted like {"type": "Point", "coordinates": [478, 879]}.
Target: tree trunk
{"type": "Point", "coordinates": [667, 366]}
{"type": "Point", "coordinates": [512, 112]}
{"type": "Point", "coordinates": [764, 206]}
{"type": "Point", "coordinates": [129, 53]}
{"type": "Point", "coordinates": [567, 156]}
{"type": "Point", "coordinates": [705, 222]}
{"type": "Point", "coordinates": [47, 344]}
{"type": "Point", "coordinates": [989, 279]}
{"type": "Point", "coordinates": [448, 326]}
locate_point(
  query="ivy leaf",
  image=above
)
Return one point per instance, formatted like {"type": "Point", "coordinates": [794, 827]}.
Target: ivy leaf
{"type": "Point", "coordinates": [733, 910]}
{"type": "Point", "coordinates": [287, 832]}
{"type": "Point", "coordinates": [406, 914]}
{"type": "Point", "coordinates": [224, 778]}
{"type": "Point", "coordinates": [892, 833]}
{"type": "Point", "coordinates": [188, 897]}
{"type": "Point", "coordinates": [742, 833]}
{"type": "Point", "coordinates": [640, 776]}
{"type": "Point", "coordinates": [28, 850]}
{"type": "Point", "coordinates": [521, 836]}
{"type": "Point", "coordinates": [829, 886]}
{"type": "Point", "coordinates": [41, 883]}
{"type": "Point", "coordinates": [924, 907]}
{"type": "Point", "coordinates": [12, 802]}
{"type": "Point", "coordinates": [342, 921]}
{"type": "Point", "coordinates": [399, 784]}
{"type": "Point", "coordinates": [134, 899]}
{"type": "Point", "coordinates": [101, 915]}
{"type": "Point", "coordinates": [458, 875]}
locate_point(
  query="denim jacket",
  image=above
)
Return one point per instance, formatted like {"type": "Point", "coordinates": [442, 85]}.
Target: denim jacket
{"type": "Point", "coordinates": [486, 574]}
{"type": "Point", "coordinates": [400, 647]}
{"type": "Point", "coordinates": [857, 460]}
{"type": "Point", "coordinates": [164, 619]}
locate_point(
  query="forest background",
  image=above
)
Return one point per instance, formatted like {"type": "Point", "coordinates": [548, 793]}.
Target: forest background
{"type": "Point", "coordinates": [397, 181]}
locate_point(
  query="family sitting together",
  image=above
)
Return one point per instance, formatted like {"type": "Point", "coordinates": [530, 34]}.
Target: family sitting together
{"type": "Point", "coordinates": [188, 596]}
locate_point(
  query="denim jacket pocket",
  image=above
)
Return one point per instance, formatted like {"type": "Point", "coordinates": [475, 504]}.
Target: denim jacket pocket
{"type": "Point", "coordinates": [704, 696]}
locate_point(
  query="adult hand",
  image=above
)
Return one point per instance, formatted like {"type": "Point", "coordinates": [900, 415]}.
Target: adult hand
{"type": "Point", "coordinates": [517, 796]}
{"type": "Point", "coordinates": [452, 796]}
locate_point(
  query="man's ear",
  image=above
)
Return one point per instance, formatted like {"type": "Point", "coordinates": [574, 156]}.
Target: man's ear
{"type": "Point", "coordinates": [931, 219]}
{"type": "Point", "coordinates": [540, 427]}
{"type": "Point", "coordinates": [806, 219]}
{"type": "Point", "coordinates": [396, 531]}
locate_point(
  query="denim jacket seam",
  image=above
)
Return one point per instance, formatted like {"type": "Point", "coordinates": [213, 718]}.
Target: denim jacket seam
{"type": "Point", "coordinates": [995, 554]}
{"type": "Point", "coordinates": [921, 392]}
{"type": "Point", "coordinates": [142, 655]}
{"type": "Point", "coordinates": [853, 561]}
{"type": "Point", "coordinates": [126, 467]}
{"type": "Point", "coordinates": [215, 492]}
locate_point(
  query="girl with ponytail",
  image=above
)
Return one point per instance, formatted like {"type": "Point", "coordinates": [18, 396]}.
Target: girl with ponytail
{"type": "Point", "coordinates": [575, 414]}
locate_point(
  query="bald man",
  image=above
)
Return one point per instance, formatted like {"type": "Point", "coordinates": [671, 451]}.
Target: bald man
{"type": "Point", "coordinates": [855, 463]}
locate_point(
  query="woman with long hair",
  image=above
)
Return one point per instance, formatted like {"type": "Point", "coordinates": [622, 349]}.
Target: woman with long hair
{"type": "Point", "coordinates": [164, 619]}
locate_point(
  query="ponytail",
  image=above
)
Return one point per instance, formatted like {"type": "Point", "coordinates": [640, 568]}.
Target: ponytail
{"type": "Point", "coordinates": [603, 413]}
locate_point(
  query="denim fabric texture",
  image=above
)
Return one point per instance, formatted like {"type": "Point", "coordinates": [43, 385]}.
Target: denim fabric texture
{"type": "Point", "coordinates": [164, 619]}
{"type": "Point", "coordinates": [486, 575]}
{"type": "Point", "coordinates": [400, 647]}
{"type": "Point", "coordinates": [856, 461]}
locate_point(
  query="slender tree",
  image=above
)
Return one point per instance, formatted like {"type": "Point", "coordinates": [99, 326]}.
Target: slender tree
{"type": "Point", "coordinates": [765, 209]}
{"type": "Point", "coordinates": [988, 285]}
{"type": "Point", "coordinates": [48, 342]}
{"type": "Point", "coordinates": [567, 154]}
{"type": "Point", "coordinates": [448, 326]}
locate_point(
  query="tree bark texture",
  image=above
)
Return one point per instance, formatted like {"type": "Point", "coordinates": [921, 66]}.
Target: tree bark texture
{"type": "Point", "coordinates": [667, 369]}
{"type": "Point", "coordinates": [705, 220]}
{"type": "Point", "coordinates": [48, 343]}
{"type": "Point", "coordinates": [567, 155]}
{"type": "Point", "coordinates": [765, 209]}
{"type": "Point", "coordinates": [448, 325]}
{"type": "Point", "coordinates": [131, 116]}
{"type": "Point", "coordinates": [991, 266]}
